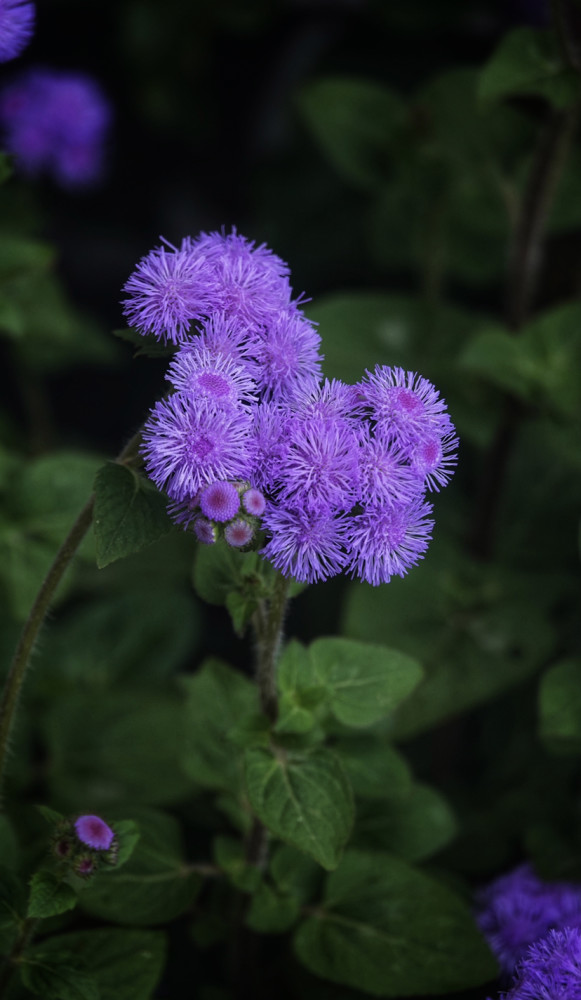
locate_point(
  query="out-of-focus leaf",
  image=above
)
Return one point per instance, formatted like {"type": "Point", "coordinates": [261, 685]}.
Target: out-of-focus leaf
{"type": "Point", "coordinates": [560, 707]}
{"type": "Point", "coordinates": [528, 61]}
{"type": "Point", "coordinates": [414, 827]}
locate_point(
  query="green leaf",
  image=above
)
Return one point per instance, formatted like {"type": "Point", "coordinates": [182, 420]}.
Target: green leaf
{"type": "Point", "coordinates": [414, 828]}
{"type": "Point", "coordinates": [128, 834]}
{"type": "Point", "coordinates": [389, 930]}
{"type": "Point", "coordinates": [154, 886]}
{"type": "Point", "coordinates": [49, 895]}
{"type": "Point", "coordinates": [12, 899]}
{"type": "Point", "coordinates": [560, 707]}
{"type": "Point", "coordinates": [295, 874]}
{"type": "Point", "coordinates": [57, 981]}
{"type": "Point", "coordinates": [355, 123]}
{"type": "Point", "coordinates": [124, 964]}
{"type": "Point", "coordinates": [230, 856]}
{"type": "Point", "coordinates": [299, 693]}
{"type": "Point", "coordinates": [50, 815]}
{"type": "Point", "coordinates": [271, 912]}
{"type": "Point", "coordinates": [376, 770]}
{"type": "Point", "coordinates": [217, 699]}
{"type": "Point", "coordinates": [539, 366]}
{"type": "Point", "coordinates": [238, 580]}
{"type": "Point", "coordinates": [364, 682]}
{"type": "Point", "coordinates": [528, 61]}
{"type": "Point", "coordinates": [304, 799]}
{"type": "Point", "coordinates": [129, 513]}
{"type": "Point", "coordinates": [108, 750]}
{"type": "Point", "coordinates": [19, 254]}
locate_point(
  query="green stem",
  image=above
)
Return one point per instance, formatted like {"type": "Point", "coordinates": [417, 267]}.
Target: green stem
{"type": "Point", "coordinates": [268, 629]}
{"type": "Point", "coordinates": [42, 602]}
{"type": "Point", "coordinates": [27, 930]}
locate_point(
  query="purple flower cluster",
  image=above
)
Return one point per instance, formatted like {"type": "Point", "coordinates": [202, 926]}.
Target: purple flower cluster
{"type": "Point", "coordinates": [16, 27]}
{"type": "Point", "coordinates": [551, 969]}
{"type": "Point", "coordinates": [518, 909]}
{"type": "Point", "coordinates": [83, 844]}
{"type": "Point", "coordinates": [56, 122]}
{"type": "Point", "coordinates": [253, 438]}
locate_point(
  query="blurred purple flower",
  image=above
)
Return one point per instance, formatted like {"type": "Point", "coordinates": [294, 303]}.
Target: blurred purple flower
{"type": "Point", "coordinates": [56, 122]}
{"type": "Point", "coordinates": [94, 832]}
{"type": "Point", "coordinates": [16, 27]}
{"type": "Point", "coordinates": [517, 909]}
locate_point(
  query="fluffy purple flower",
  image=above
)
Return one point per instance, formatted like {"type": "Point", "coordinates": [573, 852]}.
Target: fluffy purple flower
{"type": "Point", "coordinates": [551, 968]}
{"type": "Point", "coordinates": [308, 545]}
{"type": "Point", "coordinates": [321, 464]}
{"type": "Point", "coordinates": [166, 292]}
{"type": "Point", "coordinates": [94, 832]}
{"type": "Point", "coordinates": [239, 533]}
{"type": "Point", "coordinates": [434, 459]}
{"type": "Point", "coordinates": [289, 353]}
{"type": "Point", "coordinates": [16, 27]}
{"type": "Point", "coordinates": [220, 501]}
{"type": "Point", "coordinates": [55, 121]}
{"type": "Point", "coordinates": [386, 476]}
{"type": "Point", "coordinates": [189, 443]}
{"type": "Point", "coordinates": [225, 381]}
{"type": "Point", "coordinates": [247, 282]}
{"type": "Point", "coordinates": [227, 338]}
{"type": "Point", "coordinates": [253, 502]}
{"type": "Point", "coordinates": [270, 444]}
{"type": "Point", "coordinates": [386, 541]}
{"type": "Point", "coordinates": [404, 404]}
{"type": "Point", "coordinates": [517, 909]}
{"type": "Point", "coordinates": [329, 400]}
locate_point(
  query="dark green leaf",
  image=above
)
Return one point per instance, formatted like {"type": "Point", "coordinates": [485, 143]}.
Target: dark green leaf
{"type": "Point", "coordinates": [294, 873]}
{"type": "Point", "coordinates": [49, 895]}
{"type": "Point", "coordinates": [271, 912]}
{"type": "Point", "coordinates": [230, 856]}
{"type": "Point", "coordinates": [375, 769]}
{"type": "Point", "coordinates": [299, 693]}
{"type": "Point", "coordinates": [217, 699]}
{"type": "Point", "coordinates": [389, 930]}
{"type": "Point", "coordinates": [303, 798]}
{"type": "Point", "coordinates": [155, 886]}
{"type": "Point", "coordinates": [414, 827]}
{"type": "Point", "coordinates": [364, 682]}
{"type": "Point", "coordinates": [560, 707]}
{"type": "Point", "coordinates": [528, 61]}
{"type": "Point", "coordinates": [128, 834]}
{"type": "Point", "coordinates": [124, 964]}
{"type": "Point", "coordinates": [129, 513]}
{"type": "Point", "coordinates": [54, 980]}
{"type": "Point", "coordinates": [355, 123]}
{"type": "Point", "coordinates": [12, 899]}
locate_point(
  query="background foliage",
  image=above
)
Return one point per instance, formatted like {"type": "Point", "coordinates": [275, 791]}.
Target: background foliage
{"type": "Point", "coordinates": [408, 161]}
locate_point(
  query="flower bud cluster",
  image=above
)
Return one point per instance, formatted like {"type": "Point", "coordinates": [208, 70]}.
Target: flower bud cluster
{"type": "Point", "coordinates": [339, 473]}
{"type": "Point", "coordinates": [82, 845]}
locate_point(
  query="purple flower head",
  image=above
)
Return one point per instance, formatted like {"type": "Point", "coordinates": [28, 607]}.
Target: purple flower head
{"type": "Point", "coordinates": [270, 444]}
{"type": "Point", "coordinates": [195, 370]}
{"type": "Point", "coordinates": [239, 533]}
{"type": "Point", "coordinates": [247, 282]}
{"type": "Point", "coordinates": [434, 459]}
{"type": "Point", "coordinates": [551, 968]}
{"type": "Point", "coordinates": [166, 292]}
{"type": "Point", "coordinates": [220, 501]}
{"type": "Point", "coordinates": [386, 541]}
{"type": "Point", "coordinates": [16, 27]}
{"type": "Point", "coordinates": [205, 531]}
{"type": "Point", "coordinates": [307, 544]}
{"type": "Point", "coordinates": [518, 908]}
{"type": "Point", "coordinates": [321, 464]}
{"type": "Point", "coordinates": [386, 476]}
{"type": "Point", "coordinates": [288, 355]}
{"type": "Point", "coordinates": [56, 122]}
{"type": "Point", "coordinates": [94, 832]}
{"type": "Point", "coordinates": [328, 400]}
{"type": "Point", "coordinates": [404, 404]}
{"type": "Point", "coordinates": [189, 443]}
{"type": "Point", "coordinates": [227, 338]}
{"type": "Point", "coordinates": [253, 502]}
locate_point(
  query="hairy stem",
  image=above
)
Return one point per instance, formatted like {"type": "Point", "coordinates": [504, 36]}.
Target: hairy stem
{"type": "Point", "coordinates": [268, 628]}
{"type": "Point", "coordinates": [42, 602]}
{"type": "Point", "coordinates": [524, 262]}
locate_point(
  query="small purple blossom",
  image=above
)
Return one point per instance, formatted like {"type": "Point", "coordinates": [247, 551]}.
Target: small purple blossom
{"type": "Point", "coordinates": [386, 541]}
{"type": "Point", "coordinates": [228, 338]}
{"type": "Point", "coordinates": [289, 354]}
{"type": "Point", "coordinates": [239, 533]}
{"type": "Point", "coordinates": [270, 444]}
{"type": "Point", "coordinates": [551, 968]}
{"type": "Point", "coordinates": [16, 27]}
{"type": "Point", "coordinates": [94, 832]}
{"type": "Point", "coordinates": [166, 292]}
{"type": "Point", "coordinates": [306, 544]}
{"type": "Point", "coordinates": [386, 476]}
{"type": "Point", "coordinates": [253, 502]}
{"type": "Point", "coordinates": [321, 464]}
{"type": "Point", "coordinates": [189, 443]}
{"type": "Point", "coordinates": [56, 122]}
{"type": "Point", "coordinates": [221, 379]}
{"type": "Point", "coordinates": [405, 405]}
{"type": "Point", "coordinates": [220, 501]}
{"type": "Point", "coordinates": [434, 459]}
{"type": "Point", "coordinates": [205, 531]}
{"type": "Point", "coordinates": [517, 909]}
{"type": "Point", "coordinates": [328, 400]}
